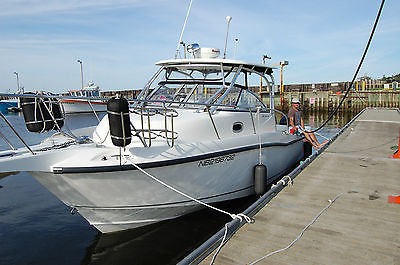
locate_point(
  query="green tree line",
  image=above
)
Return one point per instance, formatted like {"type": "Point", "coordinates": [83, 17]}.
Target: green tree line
{"type": "Point", "coordinates": [390, 79]}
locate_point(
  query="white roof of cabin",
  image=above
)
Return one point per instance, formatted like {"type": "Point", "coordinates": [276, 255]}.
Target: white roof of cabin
{"type": "Point", "coordinates": [201, 62]}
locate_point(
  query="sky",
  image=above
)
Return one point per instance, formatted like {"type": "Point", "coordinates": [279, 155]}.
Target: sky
{"type": "Point", "coordinates": [119, 41]}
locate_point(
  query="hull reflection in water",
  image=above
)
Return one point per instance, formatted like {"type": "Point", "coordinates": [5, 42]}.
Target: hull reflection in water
{"type": "Point", "coordinates": [165, 243]}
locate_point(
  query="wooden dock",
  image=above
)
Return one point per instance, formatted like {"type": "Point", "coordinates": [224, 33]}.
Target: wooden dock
{"type": "Point", "coordinates": [360, 227]}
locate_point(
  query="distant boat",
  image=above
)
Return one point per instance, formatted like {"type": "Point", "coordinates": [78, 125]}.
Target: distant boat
{"type": "Point", "coordinates": [76, 105]}
{"type": "Point", "coordinates": [9, 105]}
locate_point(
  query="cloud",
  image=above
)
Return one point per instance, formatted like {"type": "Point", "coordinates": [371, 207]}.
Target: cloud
{"type": "Point", "coordinates": [34, 7]}
{"type": "Point", "coordinates": [46, 41]}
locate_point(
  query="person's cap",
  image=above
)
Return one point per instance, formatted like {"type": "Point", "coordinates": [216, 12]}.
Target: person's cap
{"type": "Point", "coordinates": [295, 100]}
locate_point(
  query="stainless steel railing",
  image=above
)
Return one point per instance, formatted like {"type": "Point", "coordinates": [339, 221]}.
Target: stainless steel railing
{"type": "Point", "coordinates": [147, 109]}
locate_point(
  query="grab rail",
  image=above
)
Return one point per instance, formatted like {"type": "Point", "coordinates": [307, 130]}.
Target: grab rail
{"type": "Point", "coordinates": [146, 132]}
{"type": "Point", "coordinates": [16, 133]}
{"type": "Point", "coordinates": [146, 108]}
{"type": "Point", "coordinates": [7, 141]}
{"type": "Point", "coordinates": [132, 101]}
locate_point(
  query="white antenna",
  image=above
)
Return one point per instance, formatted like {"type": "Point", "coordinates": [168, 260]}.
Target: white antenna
{"type": "Point", "coordinates": [183, 29]}
{"type": "Point", "coordinates": [228, 19]}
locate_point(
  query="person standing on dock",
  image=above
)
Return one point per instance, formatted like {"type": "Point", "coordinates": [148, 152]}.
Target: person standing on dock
{"type": "Point", "coordinates": [296, 123]}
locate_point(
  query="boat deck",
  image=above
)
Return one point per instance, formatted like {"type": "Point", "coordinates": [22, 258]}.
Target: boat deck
{"type": "Point", "coordinates": [360, 227]}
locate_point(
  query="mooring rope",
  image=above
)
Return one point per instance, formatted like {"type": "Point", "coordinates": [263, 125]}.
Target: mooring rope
{"type": "Point", "coordinates": [289, 183]}
{"type": "Point", "coordinates": [220, 246]}
{"type": "Point", "coordinates": [301, 233]}
{"type": "Point", "coordinates": [307, 131]}
{"type": "Point", "coordinates": [326, 138]}
{"type": "Point", "coordinates": [239, 216]}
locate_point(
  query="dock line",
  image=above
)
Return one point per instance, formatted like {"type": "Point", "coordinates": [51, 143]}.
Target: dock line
{"type": "Point", "coordinates": [239, 216]}
{"type": "Point", "coordinates": [301, 233]}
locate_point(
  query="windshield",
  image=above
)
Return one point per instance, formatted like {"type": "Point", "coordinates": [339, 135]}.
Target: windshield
{"type": "Point", "coordinates": [205, 85]}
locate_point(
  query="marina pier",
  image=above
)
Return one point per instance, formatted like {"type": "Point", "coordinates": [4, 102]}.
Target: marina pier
{"type": "Point", "coordinates": [321, 97]}
{"type": "Point", "coordinates": [315, 97]}
{"type": "Point", "coordinates": [314, 101]}
{"type": "Point", "coordinates": [360, 227]}
{"type": "Point", "coordinates": [326, 96]}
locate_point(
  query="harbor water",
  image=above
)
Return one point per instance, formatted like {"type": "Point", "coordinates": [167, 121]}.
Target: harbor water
{"type": "Point", "coordinates": [37, 228]}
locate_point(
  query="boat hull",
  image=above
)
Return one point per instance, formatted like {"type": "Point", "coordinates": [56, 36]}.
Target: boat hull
{"type": "Point", "coordinates": [119, 200]}
{"type": "Point", "coordinates": [6, 104]}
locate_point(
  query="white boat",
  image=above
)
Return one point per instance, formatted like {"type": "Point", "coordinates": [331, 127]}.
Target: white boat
{"type": "Point", "coordinates": [8, 104]}
{"type": "Point", "coordinates": [81, 102]}
{"type": "Point", "coordinates": [11, 104]}
{"type": "Point", "coordinates": [196, 126]}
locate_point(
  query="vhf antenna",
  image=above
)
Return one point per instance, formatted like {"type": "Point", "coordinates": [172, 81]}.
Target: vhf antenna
{"type": "Point", "coordinates": [183, 29]}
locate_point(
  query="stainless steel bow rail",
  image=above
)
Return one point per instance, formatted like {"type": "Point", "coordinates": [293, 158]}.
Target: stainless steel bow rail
{"type": "Point", "coordinates": [16, 133]}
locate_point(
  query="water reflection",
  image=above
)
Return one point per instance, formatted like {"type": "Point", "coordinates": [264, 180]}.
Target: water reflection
{"type": "Point", "coordinates": [338, 121]}
{"type": "Point", "coordinates": [167, 242]}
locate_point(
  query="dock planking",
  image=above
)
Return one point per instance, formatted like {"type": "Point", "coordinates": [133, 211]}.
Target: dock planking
{"type": "Point", "coordinates": [360, 227]}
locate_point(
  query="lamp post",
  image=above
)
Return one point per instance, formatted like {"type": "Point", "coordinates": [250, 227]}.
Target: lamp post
{"type": "Point", "coordinates": [261, 83]}
{"type": "Point", "coordinates": [18, 87]}
{"type": "Point", "coordinates": [265, 57]}
{"type": "Point", "coordinates": [18, 90]}
{"type": "Point", "coordinates": [228, 20]}
{"type": "Point", "coordinates": [282, 63]}
{"type": "Point", "coordinates": [80, 62]}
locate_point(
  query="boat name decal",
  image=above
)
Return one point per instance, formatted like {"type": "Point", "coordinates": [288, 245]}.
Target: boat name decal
{"type": "Point", "coordinates": [217, 160]}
